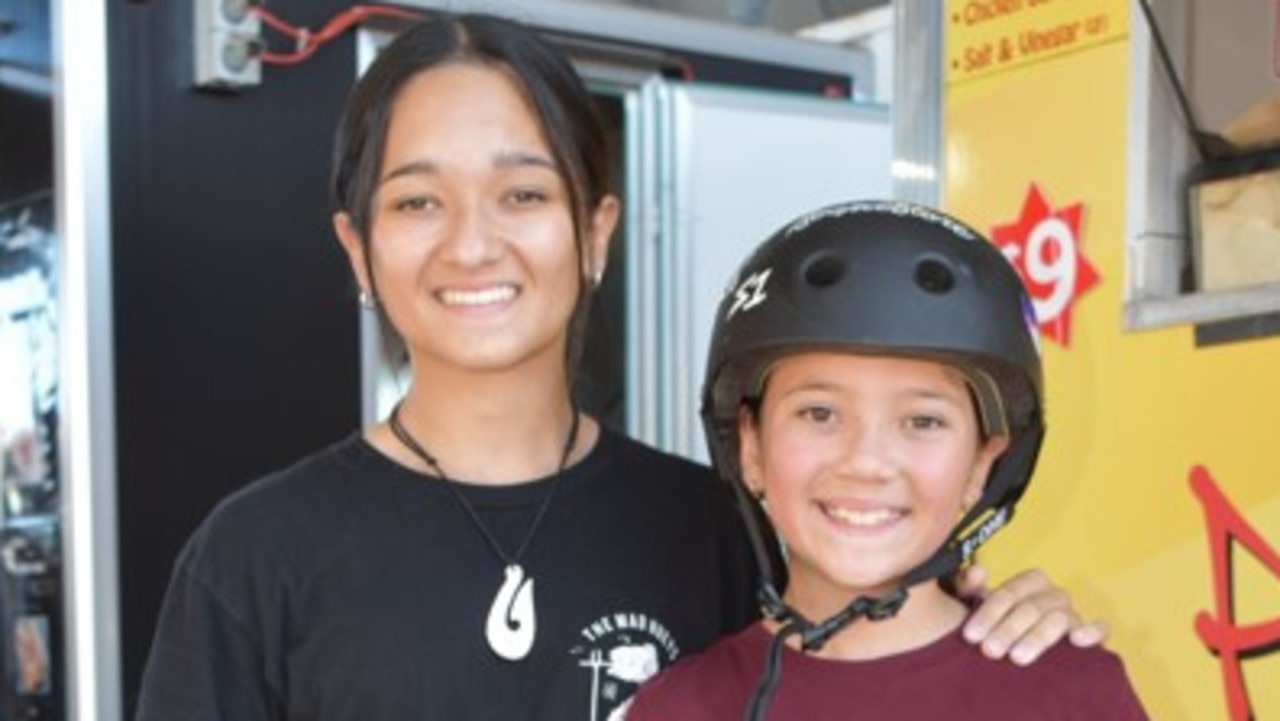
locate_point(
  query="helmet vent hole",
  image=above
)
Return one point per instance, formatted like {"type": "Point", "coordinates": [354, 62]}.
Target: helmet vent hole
{"type": "Point", "coordinates": [934, 276]}
{"type": "Point", "coordinates": [824, 271]}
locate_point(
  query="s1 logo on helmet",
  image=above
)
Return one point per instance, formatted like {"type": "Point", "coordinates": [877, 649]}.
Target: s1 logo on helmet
{"type": "Point", "coordinates": [749, 293]}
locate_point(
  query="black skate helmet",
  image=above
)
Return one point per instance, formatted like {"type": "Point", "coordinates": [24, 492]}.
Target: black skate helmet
{"type": "Point", "coordinates": [885, 278]}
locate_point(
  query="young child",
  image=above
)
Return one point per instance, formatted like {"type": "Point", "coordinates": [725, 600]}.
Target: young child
{"type": "Point", "coordinates": [874, 383]}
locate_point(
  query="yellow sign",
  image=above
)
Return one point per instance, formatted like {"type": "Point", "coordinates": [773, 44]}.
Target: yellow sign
{"type": "Point", "coordinates": [991, 36]}
{"type": "Point", "coordinates": [1156, 500]}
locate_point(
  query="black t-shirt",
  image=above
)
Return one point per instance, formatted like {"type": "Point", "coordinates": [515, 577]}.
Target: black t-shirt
{"type": "Point", "coordinates": [350, 587]}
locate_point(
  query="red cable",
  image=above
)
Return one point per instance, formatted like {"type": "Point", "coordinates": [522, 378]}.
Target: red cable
{"type": "Point", "coordinates": [274, 22]}
{"type": "Point", "coordinates": [308, 43]}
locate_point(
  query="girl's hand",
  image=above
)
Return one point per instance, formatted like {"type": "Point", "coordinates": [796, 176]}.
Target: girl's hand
{"type": "Point", "coordinates": [1023, 617]}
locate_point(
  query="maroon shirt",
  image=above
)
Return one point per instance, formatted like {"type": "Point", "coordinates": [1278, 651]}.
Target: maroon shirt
{"type": "Point", "coordinates": [949, 679]}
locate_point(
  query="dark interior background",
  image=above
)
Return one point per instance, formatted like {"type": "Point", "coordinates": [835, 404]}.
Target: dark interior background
{"type": "Point", "coordinates": [236, 324]}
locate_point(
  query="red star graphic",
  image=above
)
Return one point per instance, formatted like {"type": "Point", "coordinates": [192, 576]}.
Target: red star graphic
{"type": "Point", "coordinates": [1045, 246]}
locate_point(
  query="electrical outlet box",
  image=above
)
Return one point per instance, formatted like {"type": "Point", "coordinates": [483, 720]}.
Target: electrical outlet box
{"type": "Point", "coordinates": [228, 43]}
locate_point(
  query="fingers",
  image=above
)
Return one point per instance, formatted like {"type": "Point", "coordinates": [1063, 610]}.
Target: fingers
{"type": "Point", "coordinates": [1042, 635]}
{"type": "Point", "coordinates": [1090, 634]}
{"type": "Point", "coordinates": [997, 604]}
{"type": "Point", "coordinates": [1023, 618]}
{"type": "Point", "coordinates": [1028, 583]}
{"type": "Point", "coordinates": [1022, 630]}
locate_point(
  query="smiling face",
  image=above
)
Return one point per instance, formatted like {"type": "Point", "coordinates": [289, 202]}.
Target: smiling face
{"type": "Point", "coordinates": [865, 464]}
{"type": "Point", "coordinates": [472, 240]}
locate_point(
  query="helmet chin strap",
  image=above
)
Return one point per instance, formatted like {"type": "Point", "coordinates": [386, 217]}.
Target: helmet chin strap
{"type": "Point", "coordinates": [1002, 493]}
{"type": "Point", "coordinates": [995, 509]}
{"type": "Point", "coordinates": [813, 636]}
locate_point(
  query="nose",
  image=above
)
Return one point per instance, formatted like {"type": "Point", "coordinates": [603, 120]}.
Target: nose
{"type": "Point", "coordinates": [471, 239]}
{"type": "Point", "coordinates": [867, 453]}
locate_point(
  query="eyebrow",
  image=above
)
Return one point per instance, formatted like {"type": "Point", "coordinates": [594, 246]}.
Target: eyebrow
{"type": "Point", "coordinates": [517, 158]}
{"type": "Point", "coordinates": [912, 391]}
{"type": "Point", "coordinates": [505, 159]}
{"type": "Point", "coordinates": [416, 167]}
{"type": "Point", "coordinates": [942, 395]}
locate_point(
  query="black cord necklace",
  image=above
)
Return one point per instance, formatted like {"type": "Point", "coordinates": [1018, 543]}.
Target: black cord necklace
{"type": "Point", "coordinates": [512, 621]}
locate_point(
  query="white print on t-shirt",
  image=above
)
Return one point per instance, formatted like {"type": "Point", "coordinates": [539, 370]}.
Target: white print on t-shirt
{"type": "Point", "coordinates": [622, 651]}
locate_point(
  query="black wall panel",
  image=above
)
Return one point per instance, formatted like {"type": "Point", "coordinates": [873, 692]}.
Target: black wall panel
{"type": "Point", "coordinates": [236, 322]}
{"type": "Point", "coordinates": [26, 145]}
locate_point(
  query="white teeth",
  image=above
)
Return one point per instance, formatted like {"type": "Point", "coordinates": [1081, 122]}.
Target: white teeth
{"type": "Point", "coordinates": [863, 518]}
{"type": "Point", "coordinates": [487, 296]}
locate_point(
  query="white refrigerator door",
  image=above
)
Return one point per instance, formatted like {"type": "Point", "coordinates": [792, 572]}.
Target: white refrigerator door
{"type": "Point", "coordinates": [732, 166]}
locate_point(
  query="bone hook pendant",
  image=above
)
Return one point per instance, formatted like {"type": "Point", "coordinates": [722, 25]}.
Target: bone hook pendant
{"type": "Point", "coordinates": [511, 624]}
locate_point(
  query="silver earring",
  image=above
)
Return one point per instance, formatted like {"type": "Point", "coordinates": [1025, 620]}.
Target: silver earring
{"type": "Point", "coordinates": [366, 299]}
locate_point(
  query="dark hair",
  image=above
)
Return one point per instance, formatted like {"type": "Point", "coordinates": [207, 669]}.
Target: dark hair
{"type": "Point", "coordinates": [560, 100]}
